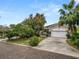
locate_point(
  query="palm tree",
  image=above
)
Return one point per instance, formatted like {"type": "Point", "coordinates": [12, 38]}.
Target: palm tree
{"type": "Point", "coordinates": [68, 16]}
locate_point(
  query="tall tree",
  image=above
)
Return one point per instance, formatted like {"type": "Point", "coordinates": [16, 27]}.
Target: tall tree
{"type": "Point", "coordinates": [68, 16]}
{"type": "Point", "coordinates": [39, 20]}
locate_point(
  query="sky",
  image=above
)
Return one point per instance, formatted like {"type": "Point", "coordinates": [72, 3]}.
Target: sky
{"type": "Point", "coordinates": [15, 11]}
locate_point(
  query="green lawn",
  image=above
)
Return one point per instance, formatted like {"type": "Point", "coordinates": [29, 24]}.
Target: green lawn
{"type": "Point", "coordinates": [20, 41]}
{"type": "Point", "coordinates": [33, 40]}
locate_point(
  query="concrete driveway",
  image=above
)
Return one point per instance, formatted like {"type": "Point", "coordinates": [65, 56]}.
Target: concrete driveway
{"type": "Point", "coordinates": [58, 45]}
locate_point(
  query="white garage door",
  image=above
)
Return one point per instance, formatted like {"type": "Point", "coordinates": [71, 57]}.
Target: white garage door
{"type": "Point", "coordinates": [58, 34]}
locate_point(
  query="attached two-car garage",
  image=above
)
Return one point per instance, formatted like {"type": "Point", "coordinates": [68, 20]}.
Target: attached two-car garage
{"type": "Point", "coordinates": [58, 32]}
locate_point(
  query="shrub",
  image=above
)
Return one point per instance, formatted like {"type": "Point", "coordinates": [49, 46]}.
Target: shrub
{"type": "Point", "coordinates": [74, 39]}
{"type": "Point", "coordinates": [77, 43]}
{"type": "Point", "coordinates": [29, 32]}
{"type": "Point", "coordinates": [76, 35]}
{"type": "Point", "coordinates": [34, 41]}
{"type": "Point", "coordinates": [11, 34]}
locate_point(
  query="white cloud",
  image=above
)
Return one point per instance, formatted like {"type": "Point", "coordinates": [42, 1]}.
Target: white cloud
{"type": "Point", "coordinates": [51, 9]}
{"type": "Point", "coordinates": [77, 1]}
{"type": "Point", "coordinates": [48, 10]}
{"type": "Point", "coordinates": [51, 13]}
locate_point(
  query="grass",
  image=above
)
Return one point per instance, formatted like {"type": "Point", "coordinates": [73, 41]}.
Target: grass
{"type": "Point", "coordinates": [20, 41]}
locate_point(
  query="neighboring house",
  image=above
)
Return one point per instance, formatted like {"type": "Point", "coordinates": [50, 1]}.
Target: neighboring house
{"type": "Point", "coordinates": [51, 26]}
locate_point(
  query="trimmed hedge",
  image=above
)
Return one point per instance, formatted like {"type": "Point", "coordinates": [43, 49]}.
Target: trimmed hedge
{"type": "Point", "coordinates": [34, 41]}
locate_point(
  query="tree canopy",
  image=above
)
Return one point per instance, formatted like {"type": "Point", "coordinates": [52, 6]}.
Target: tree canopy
{"type": "Point", "coordinates": [70, 15]}
{"type": "Point", "coordinates": [29, 27]}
